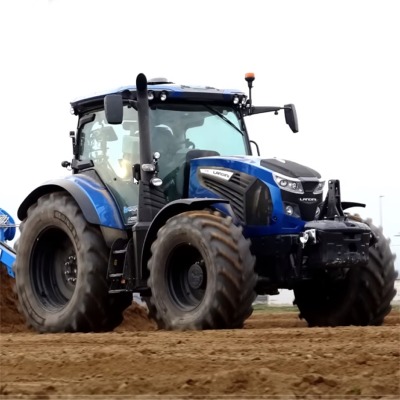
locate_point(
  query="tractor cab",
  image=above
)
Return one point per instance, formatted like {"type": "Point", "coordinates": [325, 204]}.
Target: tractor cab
{"type": "Point", "coordinates": [184, 122]}
{"type": "Point", "coordinates": [178, 131]}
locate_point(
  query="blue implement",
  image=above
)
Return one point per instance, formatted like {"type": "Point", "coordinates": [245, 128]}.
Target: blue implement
{"type": "Point", "coordinates": [7, 232]}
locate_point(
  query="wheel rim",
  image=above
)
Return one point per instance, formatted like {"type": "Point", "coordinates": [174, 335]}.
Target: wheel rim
{"type": "Point", "coordinates": [186, 275]}
{"type": "Point", "coordinates": [53, 269]}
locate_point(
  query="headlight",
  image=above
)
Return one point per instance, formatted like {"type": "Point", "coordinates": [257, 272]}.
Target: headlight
{"type": "Point", "coordinates": [320, 187]}
{"type": "Point", "coordinates": [289, 184]}
{"type": "Point", "coordinates": [292, 209]}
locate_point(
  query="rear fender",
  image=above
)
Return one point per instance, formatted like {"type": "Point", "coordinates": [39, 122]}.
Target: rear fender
{"type": "Point", "coordinates": [172, 209]}
{"type": "Point", "coordinates": [95, 201]}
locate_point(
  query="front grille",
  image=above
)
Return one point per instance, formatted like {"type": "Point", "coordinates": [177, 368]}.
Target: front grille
{"type": "Point", "coordinates": [233, 190]}
{"type": "Point", "coordinates": [306, 202]}
{"type": "Point", "coordinates": [309, 187]}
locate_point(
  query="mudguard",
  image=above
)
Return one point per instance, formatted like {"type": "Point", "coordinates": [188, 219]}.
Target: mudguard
{"type": "Point", "coordinates": [93, 198]}
{"type": "Point", "coordinates": [174, 208]}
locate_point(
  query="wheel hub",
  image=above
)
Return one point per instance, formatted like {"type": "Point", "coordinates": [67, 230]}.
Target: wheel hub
{"type": "Point", "coordinates": [195, 276]}
{"type": "Point", "coordinates": [70, 270]}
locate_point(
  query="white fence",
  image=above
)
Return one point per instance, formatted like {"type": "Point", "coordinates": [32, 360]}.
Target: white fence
{"type": "Point", "coordinates": [286, 297]}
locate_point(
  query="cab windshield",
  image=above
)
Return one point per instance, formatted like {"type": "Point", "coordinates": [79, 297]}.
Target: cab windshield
{"type": "Point", "coordinates": [216, 127]}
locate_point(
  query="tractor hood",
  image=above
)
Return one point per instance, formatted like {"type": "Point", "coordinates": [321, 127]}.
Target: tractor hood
{"type": "Point", "coordinates": [258, 167]}
{"type": "Point", "coordinates": [270, 194]}
{"type": "Point", "coordinates": [289, 168]}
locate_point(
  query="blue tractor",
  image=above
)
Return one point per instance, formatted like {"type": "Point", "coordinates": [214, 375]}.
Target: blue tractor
{"type": "Point", "coordinates": [166, 199]}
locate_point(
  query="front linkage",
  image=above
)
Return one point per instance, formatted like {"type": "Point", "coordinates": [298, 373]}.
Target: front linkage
{"type": "Point", "coordinates": [335, 240]}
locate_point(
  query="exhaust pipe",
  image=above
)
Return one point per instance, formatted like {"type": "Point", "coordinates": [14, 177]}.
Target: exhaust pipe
{"type": "Point", "coordinates": [146, 157]}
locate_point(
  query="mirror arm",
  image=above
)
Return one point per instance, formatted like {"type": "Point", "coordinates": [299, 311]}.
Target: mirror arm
{"type": "Point", "coordinates": [256, 144]}
{"type": "Point", "coordinates": [262, 109]}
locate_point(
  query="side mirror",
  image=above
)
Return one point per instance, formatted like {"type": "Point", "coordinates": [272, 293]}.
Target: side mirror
{"type": "Point", "coordinates": [291, 117]}
{"type": "Point", "coordinates": [113, 107]}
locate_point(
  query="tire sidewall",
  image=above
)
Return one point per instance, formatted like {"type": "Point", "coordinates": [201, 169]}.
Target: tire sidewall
{"type": "Point", "coordinates": [38, 222]}
{"type": "Point", "coordinates": [368, 290]}
{"type": "Point", "coordinates": [163, 299]}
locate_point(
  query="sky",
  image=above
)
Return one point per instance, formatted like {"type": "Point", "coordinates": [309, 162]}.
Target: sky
{"type": "Point", "coordinates": [337, 61]}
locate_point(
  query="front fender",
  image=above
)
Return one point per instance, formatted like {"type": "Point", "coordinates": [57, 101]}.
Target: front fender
{"type": "Point", "coordinates": [95, 201]}
{"type": "Point", "coordinates": [171, 209]}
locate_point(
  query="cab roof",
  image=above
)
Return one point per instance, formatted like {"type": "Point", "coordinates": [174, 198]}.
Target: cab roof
{"type": "Point", "coordinates": [157, 87]}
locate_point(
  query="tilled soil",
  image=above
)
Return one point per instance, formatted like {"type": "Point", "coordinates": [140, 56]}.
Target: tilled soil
{"type": "Point", "coordinates": [275, 355]}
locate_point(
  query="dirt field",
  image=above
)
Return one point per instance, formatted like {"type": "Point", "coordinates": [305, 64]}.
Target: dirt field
{"type": "Point", "coordinates": [276, 355]}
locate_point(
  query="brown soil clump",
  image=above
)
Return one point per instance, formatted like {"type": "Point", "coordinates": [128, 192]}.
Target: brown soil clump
{"type": "Point", "coordinates": [136, 319]}
{"type": "Point", "coordinates": [10, 318]}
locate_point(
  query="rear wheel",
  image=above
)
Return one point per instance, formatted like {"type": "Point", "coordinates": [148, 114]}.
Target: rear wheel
{"type": "Point", "coordinates": [201, 273]}
{"type": "Point", "coordinates": [358, 296]}
{"type": "Point", "coordinates": [61, 268]}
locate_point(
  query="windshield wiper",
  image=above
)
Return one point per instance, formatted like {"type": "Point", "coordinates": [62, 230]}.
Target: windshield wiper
{"type": "Point", "coordinates": [222, 116]}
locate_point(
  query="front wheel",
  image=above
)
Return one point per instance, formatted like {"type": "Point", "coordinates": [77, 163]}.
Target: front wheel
{"type": "Point", "coordinates": [201, 273]}
{"type": "Point", "coordinates": [61, 269]}
{"type": "Point", "coordinates": [359, 296]}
